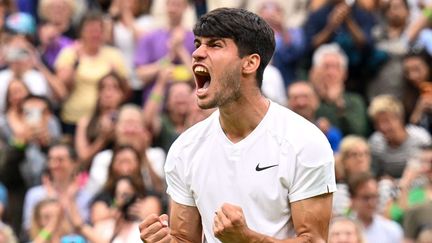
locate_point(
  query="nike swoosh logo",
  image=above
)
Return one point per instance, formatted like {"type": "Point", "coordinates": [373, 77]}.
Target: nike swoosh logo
{"type": "Point", "coordinates": [257, 168]}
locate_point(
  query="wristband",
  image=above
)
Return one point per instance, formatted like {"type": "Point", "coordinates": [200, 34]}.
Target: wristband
{"type": "Point", "coordinates": [45, 234]}
{"type": "Point", "coordinates": [156, 97]}
{"type": "Point", "coordinates": [427, 12]}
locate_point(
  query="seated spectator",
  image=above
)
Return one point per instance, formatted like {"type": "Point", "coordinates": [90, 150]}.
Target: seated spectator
{"type": "Point", "coordinates": [345, 230]}
{"type": "Point", "coordinates": [424, 236]}
{"type": "Point", "coordinates": [303, 100]}
{"type": "Point", "coordinates": [415, 186]}
{"type": "Point", "coordinates": [59, 182]}
{"type": "Point", "coordinates": [6, 234]}
{"type": "Point", "coordinates": [171, 46]}
{"type": "Point", "coordinates": [124, 167]}
{"type": "Point", "coordinates": [350, 26]}
{"type": "Point", "coordinates": [290, 45]}
{"type": "Point", "coordinates": [96, 133]}
{"type": "Point", "coordinates": [167, 120]}
{"type": "Point", "coordinates": [418, 89]}
{"type": "Point", "coordinates": [353, 158]}
{"type": "Point", "coordinates": [364, 194]}
{"type": "Point", "coordinates": [393, 142]}
{"type": "Point", "coordinates": [79, 68]}
{"type": "Point", "coordinates": [130, 130]}
{"type": "Point", "coordinates": [345, 110]}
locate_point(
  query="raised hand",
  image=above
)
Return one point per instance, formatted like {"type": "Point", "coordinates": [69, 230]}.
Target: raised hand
{"type": "Point", "coordinates": [154, 229]}
{"type": "Point", "coordinates": [230, 224]}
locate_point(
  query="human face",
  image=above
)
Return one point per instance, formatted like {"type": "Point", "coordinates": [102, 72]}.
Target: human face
{"type": "Point", "coordinates": [123, 191]}
{"type": "Point", "coordinates": [179, 98]}
{"type": "Point", "coordinates": [366, 199]}
{"type": "Point", "coordinates": [217, 72]}
{"type": "Point", "coordinates": [416, 70]}
{"type": "Point", "coordinates": [389, 124]}
{"type": "Point", "coordinates": [358, 159]}
{"type": "Point", "coordinates": [125, 163]}
{"type": "Point", "coordinates": [92, 34]}
{"type": "Point", "coordinates": [47, 213]}
{"type": "Point", "coordinates": [330, 71]}
{"type": "Point", "coordinates": [60, 163]}
{"type": "Point", "coordinates": [175, 10]}
{"type": "Point", "coordinates": [302, 100]}
{"type": "Point", "coordinates": [110, 93]}
{"type": "Point", "coordinates": [343, 231]}
{"type": "Point", "coordinates": [397, 13]}
{"type": "Point", "coordinates": [130, 129]}
{"type": "Point", "coordinates": [16, 93]}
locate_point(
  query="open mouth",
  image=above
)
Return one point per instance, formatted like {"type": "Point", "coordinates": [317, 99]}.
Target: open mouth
{"type": "Point", "coordinates": [202, 77]}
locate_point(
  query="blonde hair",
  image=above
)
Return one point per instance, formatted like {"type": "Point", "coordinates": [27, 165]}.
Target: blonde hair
{"type": "Point", "coordinates": [385, 103]}
{"type": "Point", "coordinates": [44, 7]}
{"type": "Point", "coordinates": [358, 227]}
{"type": "Point", "coordinates": [347, 144]}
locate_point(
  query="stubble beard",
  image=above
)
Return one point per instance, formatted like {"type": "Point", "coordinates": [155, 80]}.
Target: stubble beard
{"type": "Point", "coordinates": [228, 92]}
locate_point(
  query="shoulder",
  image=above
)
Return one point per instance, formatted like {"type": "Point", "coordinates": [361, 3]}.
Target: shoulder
{"type": "Point", "coordinates": [34, 193]}
{"type": "Point", "coordinates": [418, 132]}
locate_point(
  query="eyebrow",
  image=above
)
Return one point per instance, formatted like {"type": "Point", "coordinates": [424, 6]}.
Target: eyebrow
{"type": "Point", "coordinates": [211, 40]}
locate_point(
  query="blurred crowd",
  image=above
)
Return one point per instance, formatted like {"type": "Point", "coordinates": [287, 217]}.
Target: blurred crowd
{"type": "Point", "coordinates": [94, 92]}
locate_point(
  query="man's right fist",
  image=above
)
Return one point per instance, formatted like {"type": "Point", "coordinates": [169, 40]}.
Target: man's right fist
{"type": "Point", "coordinates": [154, 229]}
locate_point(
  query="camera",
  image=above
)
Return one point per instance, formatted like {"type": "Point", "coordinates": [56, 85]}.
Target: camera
{"type": "Point", "coordinates": [33, 116]}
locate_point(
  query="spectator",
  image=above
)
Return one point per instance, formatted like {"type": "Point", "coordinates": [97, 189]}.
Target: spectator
{"type": "Point", "coordinates": [289, 41]}
{"type": "Point", "coordinates": [130, 130]}
{"type": "Point", "coordinates": [353, 158]}
{"type": "Point", "coordinates": [391, 38]}
{"type": "Point", "coordinates": [273, 86]}
{"type": "Point", "coordinates": [48, 222]}
{"type": "Point", "coordinates": [59, 13]}
{"type": "Point", "coordinates": [131, 21]}
{"type": "Point", "coordinates": [6, 234]}
{"type": "Point", "coordinates": [28, 130]}
{"type": "Point", "coordinates": [345, 110]}
{"type": "Point", "coordinates": [58, 182]}
{"type": "Point", "coordinates": [165, 47]}
{"type": "Point", "coordinates": [415, 186]}
{"type": "Point", "coordinates": [50, 43]}
{"type": "Point", "coordinates": [167, 121]}
{"type": "Point", "coordinates": [350, 26]}
{"type": "Point", "coordinates": [393, 142]}
{"type": "Point", "coordinates": [303, 100]}
{"type": "Point", "coordinates": [418, 89]}
{"type": "Point", "coordinates": [125, 165]}
{"type": "Point", "coordinates": [364, 193]}
{"type": "Point", "coordinates": [80, 66]}
{"type": "Point", "coordinates": [345, 230]}
{"type": "Point", "coordinates": [96, 133]}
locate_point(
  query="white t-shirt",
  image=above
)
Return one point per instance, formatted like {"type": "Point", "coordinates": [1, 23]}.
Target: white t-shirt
{"type": "Point", "coordinates": [34, 80]}
{"type": "Point", "coordinates": [383, 230]}
{"type": "Point", "coordinates": [285, 159]}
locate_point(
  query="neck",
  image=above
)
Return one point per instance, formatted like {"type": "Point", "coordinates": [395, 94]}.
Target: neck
{"type": "Point", "coordinates": [241, 117]}
{"type": "Point", "coordinates": [90, 50]}
{"type": "Point", "coordinates": [366, 219]}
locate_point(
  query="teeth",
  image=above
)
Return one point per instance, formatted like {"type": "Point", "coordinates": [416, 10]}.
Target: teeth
{"type": "Point", "coordinates": [200, 70]}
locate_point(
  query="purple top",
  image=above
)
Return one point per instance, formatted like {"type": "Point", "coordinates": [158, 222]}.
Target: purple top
{"type": "Point", "coordinates": [153, 47]}
{"type": "Point", "coordinates": [51, 52]}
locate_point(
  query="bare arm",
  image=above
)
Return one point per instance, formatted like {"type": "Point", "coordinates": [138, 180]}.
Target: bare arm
{"type": "Point", "coordinates": [311, 219]}
{"type": "Point", "coordinates": [356, 31]}
{"type": "Point", "coordinates": [185, 226]}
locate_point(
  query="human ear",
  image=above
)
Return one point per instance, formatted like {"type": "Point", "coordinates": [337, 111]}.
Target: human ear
{"type": "Point", "coordinates": [251, 63]}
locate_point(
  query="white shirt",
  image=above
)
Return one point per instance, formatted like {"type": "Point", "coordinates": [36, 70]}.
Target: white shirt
{"type": "Point", "coordinates": [34, 81]}
{"type": "Point", "coordinates": [284, 159]}
{"type": "Point", "coordinates": [383, 230]}
{"type": "Point", "coordinates": [273, 86]}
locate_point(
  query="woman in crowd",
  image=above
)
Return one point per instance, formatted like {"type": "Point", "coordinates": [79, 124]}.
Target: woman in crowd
{"type": "Point", "coordinates": [80, 67]}
{"type": "Point", "coordinates": [126, 161]}
{"type": "Point", "coordinates": [345, 230]}
{"type": "Point", "coordinates": [96, 133]}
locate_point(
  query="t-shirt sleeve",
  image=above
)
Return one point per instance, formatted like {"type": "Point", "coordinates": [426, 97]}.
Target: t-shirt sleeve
{"type": "Point", "coordinates": [314, 172]}
{"type": "Point", "coordinates": [66, 58]}
{"type": "Point", "coordinates": [177, 187]}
